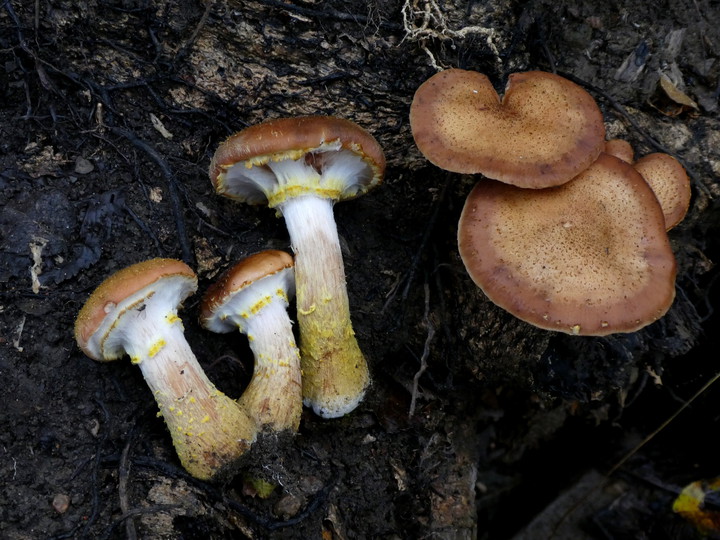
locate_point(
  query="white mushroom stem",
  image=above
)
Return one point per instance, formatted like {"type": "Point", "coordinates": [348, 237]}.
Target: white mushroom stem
{"type": "Point", "coordinates": [335, 373]}
{"type": "Point", "coordinates": [208, 429]}
{"type": "Point", "coordinates": [273, 397]}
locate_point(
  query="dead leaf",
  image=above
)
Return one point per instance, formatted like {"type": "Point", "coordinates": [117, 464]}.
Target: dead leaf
{"type": "Point", "coordinates": [670, 100]}
{"type": "Point", "coordinates": [160, 127]}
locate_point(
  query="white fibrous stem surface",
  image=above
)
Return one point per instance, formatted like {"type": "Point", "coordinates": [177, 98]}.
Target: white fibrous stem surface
{"type": "Point", "coordinates": [335, 373]}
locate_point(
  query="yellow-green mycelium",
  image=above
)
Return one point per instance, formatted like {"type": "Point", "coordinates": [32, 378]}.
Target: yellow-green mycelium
{"type": "Point", "coordinates": [134, 312]}
{"type": "Point", "coordinates": [302, 167]}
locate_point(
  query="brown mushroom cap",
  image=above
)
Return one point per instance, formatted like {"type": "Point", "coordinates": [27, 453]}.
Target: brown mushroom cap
{"type": "Point", "coordinates": [119, 287]}
{"type": "Point", "coordinates": [545, 131]}
{"type": "Point", "coordinates": [621, 149]}
{"type": "Point", "coordinates": [670, 182]}
{"type": "Point", "coordinates": [307, 137]}
{"type": "Point", "coordinates": [237, 278]}
{"type": "Point", "coordinates": [589, 257]}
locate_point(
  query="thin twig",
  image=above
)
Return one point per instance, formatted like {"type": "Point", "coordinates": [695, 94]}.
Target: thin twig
{"type": "Point", "coordinates": [426, 351]}
{"type": "Point", "coordinates": [123, 480]}
{"type": "Point", "coordinates": [190, 41]}
{"type": "Point", "coordinates": [95, 470]}
{"type": "Point", "coordinates": [415, 263]}
{"type": "Point", "coordinates": [633, 452]}
{"type": "Point", "coordinates": [327, 14]}
{"type": "Point", "coordinates": [127, 516]}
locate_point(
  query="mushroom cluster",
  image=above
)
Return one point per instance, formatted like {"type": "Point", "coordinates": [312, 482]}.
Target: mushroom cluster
{"type": "Point", "coordinates": [301, 167]}
{"type": "Point", "coordinates": [566, 232]}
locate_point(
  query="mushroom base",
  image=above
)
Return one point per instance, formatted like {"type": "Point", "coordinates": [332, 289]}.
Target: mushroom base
{"type": "Point", "coordinates": [209, 431]}
{"type": "Point", "coordinates": [273, 397]}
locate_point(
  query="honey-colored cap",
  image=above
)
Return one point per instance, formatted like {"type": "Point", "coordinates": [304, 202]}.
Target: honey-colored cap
{"type": "Point", "coordinates": [118, 287]}
{"type": "Point", "coordinates": [238, 277]}
{"type": "Point", "coordinates": [590, 257]}
{"type": "Point", "coordinates": [544, 131]}
{"type": "Point", "coordinates": [669, 182]}
{"type": "Point", "coordinates": [296, 138]}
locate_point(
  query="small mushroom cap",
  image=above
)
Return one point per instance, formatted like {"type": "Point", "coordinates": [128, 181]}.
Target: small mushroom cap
{"type": "Point", "coordinates": [590, 257]}
{"type": "Point", "coordinates": [221, 299]}
{"type": "Point", "coordinates": [308, 137]}
{"type": "Point", "coordinates": [621, 149]}
{"type": "Point", "coordinates": [669, 182]}
{"type": "Point", "coordinates": [126, 288]}
{"type": "Point", "coordinates": [545, 131]}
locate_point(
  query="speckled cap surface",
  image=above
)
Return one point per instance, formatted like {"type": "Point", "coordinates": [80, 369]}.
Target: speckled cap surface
{"type": "Point", "coordinates": [544, 131]}
{"type": "Point", "coordinates": [590, 257]}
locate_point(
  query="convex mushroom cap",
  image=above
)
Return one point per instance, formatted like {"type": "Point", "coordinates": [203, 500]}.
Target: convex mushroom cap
{"type": "Point", "coordinates": [301, 167]}
{"type": "Point", "coordinates": [270, 162]}
{"type": "Point", "coordinates": [669, 182]}
{"type": "Point", "coordinates": [544, 131]}
{"type": "Point", "coordinates": [134, 312]}
{"type": "Point", "coordinates": [590, 257]}
{"type": "Point", "coordinates": [621, 149]}
{"type": "Point", "coordinates": [252, 296]}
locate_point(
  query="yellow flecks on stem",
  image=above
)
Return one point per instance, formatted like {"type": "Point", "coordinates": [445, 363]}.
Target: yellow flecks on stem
{"type": "Point", "coordinates": [307, 311]}
{"type": "Point", "coordinates": [135, 359]}
{"type": "Point", "coordinates": [206, 419]}
{"type": "Point", "coordinates": [173, 318]}
{"type": "Point", "coordinates": [257, 306]}
{"type": "Point", "coordinates": [333, 365]}
{"type": "Point", "coordinates": [192, 399]}
{"type": "Point", "coordinates": [156, 347]}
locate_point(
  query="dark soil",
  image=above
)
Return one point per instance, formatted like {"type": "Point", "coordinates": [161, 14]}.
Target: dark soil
{"type": "Point", "coordinates": [109, 113]}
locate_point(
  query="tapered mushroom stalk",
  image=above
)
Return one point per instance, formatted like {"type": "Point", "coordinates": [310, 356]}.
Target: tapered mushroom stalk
{"type": "Point", "coordinates": [253, 297]}
{"type": "Point", "coordinates": [134, 312]}
{"type": "Point", "coordinates": [301, 167]}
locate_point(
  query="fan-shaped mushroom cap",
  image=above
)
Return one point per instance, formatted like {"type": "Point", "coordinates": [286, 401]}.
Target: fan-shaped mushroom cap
{"type": "Point", "coordinates": [621, 149]}
{"type": "Point", "coordinates": [589, 257]}
{"type": "Point", "coordinates": [545, 131]}
{"type": "Point", "coordinates": [670, 182]}
{"type": "Point", "coordinates": [126, 288]}
{"type": "Point", "coordinates": [243, 166]}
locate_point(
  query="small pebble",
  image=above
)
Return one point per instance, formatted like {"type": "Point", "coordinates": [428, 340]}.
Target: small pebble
{"type": "Point", "coordinates": [288, 506]}
{"type": "Point", "coordinates": [83, 166]}
{"type": "Point", "coordinates": [61, 503]}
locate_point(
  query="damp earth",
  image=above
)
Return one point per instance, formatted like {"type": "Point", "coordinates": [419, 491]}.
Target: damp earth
{"type": "Point", "coordinates": [477, 425]}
